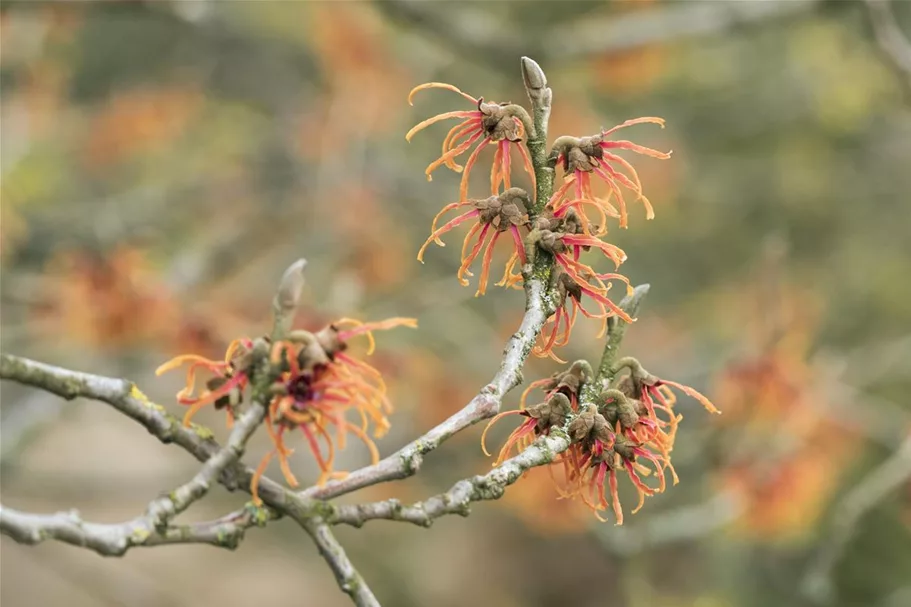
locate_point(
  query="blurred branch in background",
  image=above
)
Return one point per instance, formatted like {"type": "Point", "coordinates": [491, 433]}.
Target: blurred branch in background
{"type": "Point", "coordinates": [893, 43]}
{"type": "Point", "coordinates": [683, 524]}
{"type": "Point", "coordinates": [470, 30]}
{"type": "Point", "coordinates": [863, 497]}
{"type": "Point", "coordinates": [668, 23]}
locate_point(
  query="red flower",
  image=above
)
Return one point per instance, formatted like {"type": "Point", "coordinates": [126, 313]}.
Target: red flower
{"type": "Point", "coordinates": [563, 238]}
{"type": "Point", "coordinates": [495, 216]}
{"type": "Point", "coordinates": [608, 457]}
{"type": "Point", "coordinates": [540, 419]}
{"type": "Point", "coordinates": [501, 124]}
{"type": "Point", "coordinates": [587, 156]}
{"type": "Point", "coordinates": [599, 452]}
{"type": "Point", "coordinates": [561, 399]}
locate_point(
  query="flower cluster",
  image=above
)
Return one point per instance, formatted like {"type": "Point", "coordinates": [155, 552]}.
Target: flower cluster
{"type": "Point", "coordinates": [314, 385]}
{"type": "Point", "coordinates": [629, 428]}
{"type": "Point", "coordinates": [560, 227]}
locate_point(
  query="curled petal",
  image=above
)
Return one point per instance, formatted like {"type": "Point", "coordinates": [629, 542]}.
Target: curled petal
{"type": "Point", "coordinates": [434, 119]}
{"type": "Point", "coordinates": [434, 236]}
{"type": "Point", "coordinates": [529, 168]}
{"type": "Point", "coordinates": [694, 394]}
{"type": "Point", "coordinates": [177, 361]}
{"type": "Point", "coordinates": [260, 470]}
{"type": "Point", "coordinates": [463, 184]}
{"type": "Point", "coordinates": [485, 264]}
{"type": "Point", "coordinates": [449, 207]}
{"type": "Point", "coordinates": [368, 328]}
{"type": "Point", "coordinates": [456, 151]}
{"type": "Point", "coordinates": [622, 144]}
{"type": "Point", "coordinates": [463, 269]}
{"type": "Point", "coordinates": [452, 137]}
{"type": "Point", "coordinates": [441, 85]}
{"type": "Point", "coordinates": [631, 122]}
{"type": "Point", "coordinates": [493, 420]}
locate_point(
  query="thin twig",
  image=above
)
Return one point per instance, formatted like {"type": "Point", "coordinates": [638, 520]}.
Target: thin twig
{"type": "Point", "coordinates": [663, 24]}
{"type": "Point", "coordinates": [472, 31]}
{"type": "Point", "coordinates": [126, 398]}
{"type": "Point", "coordinates": [616, 329]}
{"type": "Point", "coordinates": [457, 500]}
{"type": "Point", "coordinates": [407, 460]}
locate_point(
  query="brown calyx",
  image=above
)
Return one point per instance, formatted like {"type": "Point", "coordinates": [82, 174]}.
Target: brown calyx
{"type": "Point", "coordinates": [504, 211]}
{"type": "Point", "coordinates": [624, 447]}
{"type": "Point", "coordinates": [569, 381]}
{"type": "Point", "coordinates": [579, 153]}
{"type": "Point", "coordinates": [567, 286]}
{"type": "Point", "coordinates": [552, 229]}
{"type": "Point", "coordinates": [590, 425]}
{"type": "Point", "coordinates": [500, 122]}
{"type": "Point", "coordinates": [552, 412]}
{"type": "Point", "coordinates": [618, 407]}
{"type": "Point", "coordinates": [317, 348]}
{"type": "Point", "coordinates": [634, 383]}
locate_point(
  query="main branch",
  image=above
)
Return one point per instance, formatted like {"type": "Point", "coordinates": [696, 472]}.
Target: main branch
{"type": "Point", "coordinates": [153, 525]}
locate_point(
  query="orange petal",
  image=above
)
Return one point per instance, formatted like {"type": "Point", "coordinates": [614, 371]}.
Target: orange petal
{"type": "Point", "coordinates": [439, 85]}
{"type": "Point", "coordinates": [438, 118]}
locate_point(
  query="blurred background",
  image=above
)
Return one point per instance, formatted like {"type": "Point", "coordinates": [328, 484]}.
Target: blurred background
{"type": "Point", "coordinates": [163, 162]}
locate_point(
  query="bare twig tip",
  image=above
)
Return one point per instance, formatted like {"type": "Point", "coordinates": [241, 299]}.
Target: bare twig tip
{"type": "Point", "coordinates": [292, 282]}
{"type": "Point", "coordinates": [532, 74]}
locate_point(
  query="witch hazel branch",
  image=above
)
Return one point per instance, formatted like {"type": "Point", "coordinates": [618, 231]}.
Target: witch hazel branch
{"type": "Point", "coordinates": [590, 424]}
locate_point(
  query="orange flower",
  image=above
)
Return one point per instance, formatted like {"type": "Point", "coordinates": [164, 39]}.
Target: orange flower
{"type": "Point", "coordinates": [587, 156]}
{"type": "Point", "coordinates": [504, 213]}
{"type": "Point", "coordinates": [500, 124]}
{"type": "Point", "coordinates": [619, 432]}
{"type": "Point", "coordinates": [317, 384]}
{"type": "Point", "coordinates": [320, 385]}
{"type": "Point", "coordinates": [540, 419]}
{"type": "Point", "coordinates": [230, 377]}
{"type": "Point", "coordinates": [562, 237]}
{"type": "Point", "coordinates": [561, 399]}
